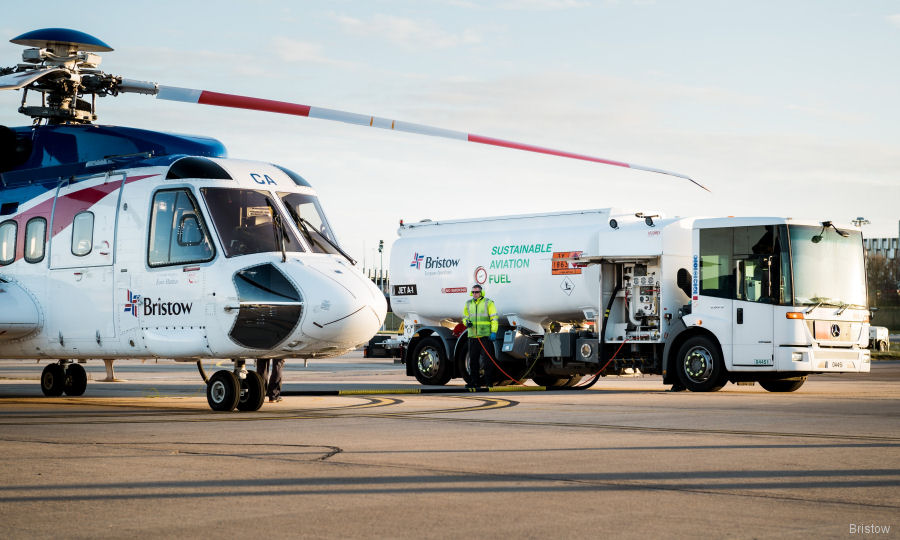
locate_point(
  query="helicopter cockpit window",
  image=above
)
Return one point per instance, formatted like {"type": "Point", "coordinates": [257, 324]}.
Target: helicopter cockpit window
{"type": "Point", "coordinates": [178, 234]}
{"type": "Point", "coordinates": [82, 233]}
{"type": "Point", "coordinates": [35, 239]}
{"type": "Point", "coordinates": [8, 231]}
{"type": "Point", "coordinates": [248, 221]}
{"type": "Point", "coordinates": [310, 220]}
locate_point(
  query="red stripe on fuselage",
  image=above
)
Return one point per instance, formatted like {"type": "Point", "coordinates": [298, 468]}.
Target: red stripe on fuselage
{"type": "Point", "coordinates": [255, 104]}
{"type": "Point", "coordinates": [541, 150]}
{"type": "Point", "coordinates": [66, 208]}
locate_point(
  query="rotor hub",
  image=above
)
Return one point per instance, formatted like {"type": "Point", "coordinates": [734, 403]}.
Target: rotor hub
{"type": "Point", "coordinates": [62, 65]}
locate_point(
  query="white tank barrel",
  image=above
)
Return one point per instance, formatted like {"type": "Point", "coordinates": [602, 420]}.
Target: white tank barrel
{"type": "Point", "coordinates": [522, 262]}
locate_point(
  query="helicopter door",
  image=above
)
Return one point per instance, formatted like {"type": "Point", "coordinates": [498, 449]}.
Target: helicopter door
{"type": "Point", "coordinates": [82, 248]}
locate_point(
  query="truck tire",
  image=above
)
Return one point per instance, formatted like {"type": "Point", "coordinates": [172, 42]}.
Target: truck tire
{"type": "Point", "coordinates": [430, 362]}
{"type": "Point", "coordinates": [700, 366]}
{"type": "Point", "coordinates": [783, 385]}
{"type": "Point", "coordinates": [548, 381]}
{"type": "Point", "coordinates": [882, 346]}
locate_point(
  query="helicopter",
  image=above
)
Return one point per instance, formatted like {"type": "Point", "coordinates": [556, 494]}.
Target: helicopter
{"type": "Point", "coordinates": [118, 242]}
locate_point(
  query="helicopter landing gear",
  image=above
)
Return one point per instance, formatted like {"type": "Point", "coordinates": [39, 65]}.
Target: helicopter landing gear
{"type": "Point", "coordinates": [53, 380]}
{"type": "Point", "coordinates": [75, 381]}
{"type": "Point", "coordinates": [61, 377]}
{"type": "Point", "coordinates": [239, 389]}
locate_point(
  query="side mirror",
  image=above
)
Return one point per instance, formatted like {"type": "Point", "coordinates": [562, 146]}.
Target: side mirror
{"type": "Point", "coordinates": [872, 311]}
{"type": "Point", "coordinates": [683, 280]}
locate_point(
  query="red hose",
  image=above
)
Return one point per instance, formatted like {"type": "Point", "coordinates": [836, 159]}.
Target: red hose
{"type": "Point", "coordinates": [508, 376]}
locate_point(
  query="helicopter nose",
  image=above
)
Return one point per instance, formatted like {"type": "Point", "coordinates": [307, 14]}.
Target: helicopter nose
{"type": "Point", "coordinates": [344, 308]}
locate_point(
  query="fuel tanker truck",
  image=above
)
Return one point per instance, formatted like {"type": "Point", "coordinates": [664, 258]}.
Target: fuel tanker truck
{"type": "Point", "coordinates": [700, 301]}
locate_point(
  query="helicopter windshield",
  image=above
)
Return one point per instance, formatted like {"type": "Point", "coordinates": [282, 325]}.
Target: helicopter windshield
{"type": "Point", "coordinates": [310, 220]}
{"type": "Point", "coordinates": [248, 222]}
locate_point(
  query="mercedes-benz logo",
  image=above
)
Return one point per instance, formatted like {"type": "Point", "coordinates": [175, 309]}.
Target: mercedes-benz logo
{"type": "Point", "coordinates": [835, 330]}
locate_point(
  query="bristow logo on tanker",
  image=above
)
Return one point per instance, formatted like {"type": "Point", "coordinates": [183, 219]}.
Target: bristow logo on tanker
{"type": "Point", "coordinates": [156, 308]}
{"type": "Point", "coordinates": [432, 262]}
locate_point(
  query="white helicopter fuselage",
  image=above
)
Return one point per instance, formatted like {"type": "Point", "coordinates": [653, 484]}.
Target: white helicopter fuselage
{"type": "Point", "coordinates": [138, 264]}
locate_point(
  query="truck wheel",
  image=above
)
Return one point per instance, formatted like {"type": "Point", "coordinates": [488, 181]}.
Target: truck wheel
{"type": "Point", "coordinates": [882, 346]}
{"type": "Point", "coordinates": [783, 385]}
{"type": "Point", "coordinates": [549, 380]}
{"type": "Point", "coordinates": [700, 366]}
{"type": "Point", "coordinates": [430, 362]}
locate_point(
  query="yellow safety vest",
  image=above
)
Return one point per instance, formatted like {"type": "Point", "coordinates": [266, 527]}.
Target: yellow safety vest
{"type": "Point", "coordinates": [483, 316]}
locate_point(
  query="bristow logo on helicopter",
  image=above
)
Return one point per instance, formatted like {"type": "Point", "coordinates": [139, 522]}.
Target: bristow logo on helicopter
{"type": "Point", "coordinates": [156, 308]}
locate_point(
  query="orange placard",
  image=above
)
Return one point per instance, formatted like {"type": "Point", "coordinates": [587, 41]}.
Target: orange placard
{"type": "Point", "coordinates": [560, 266]}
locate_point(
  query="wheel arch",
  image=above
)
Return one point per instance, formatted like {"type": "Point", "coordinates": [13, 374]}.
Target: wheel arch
{"type": "Point", "coordinates": [444, 334]}
{"type": "Point", "coordinates": [671, 350]}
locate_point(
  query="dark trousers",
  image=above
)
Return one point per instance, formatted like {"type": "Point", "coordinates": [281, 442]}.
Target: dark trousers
{"type": "Point", "coordinates": [479, 362]}
{"type": "Point", "coordinates": [273, 383]}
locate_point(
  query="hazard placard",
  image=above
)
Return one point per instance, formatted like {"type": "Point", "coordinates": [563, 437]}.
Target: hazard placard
{"type": "Point", "coordinates": [562, 266]}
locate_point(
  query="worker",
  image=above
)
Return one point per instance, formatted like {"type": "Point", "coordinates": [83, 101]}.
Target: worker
{"type": "Point", "coordinates": [272, 382]}
{"type": "Point", "coordinates": [480, 317]}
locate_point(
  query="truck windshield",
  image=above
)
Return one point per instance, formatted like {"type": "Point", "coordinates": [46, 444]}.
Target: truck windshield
{"type": "Point", "coordinates": [311, 223]}
{"type": "Point", "coordinates": [248, 222]}
{"type": "Point", "coordinates": [829, 269]}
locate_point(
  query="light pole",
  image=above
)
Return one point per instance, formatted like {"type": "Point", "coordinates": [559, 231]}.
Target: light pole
{"type": "Point", "coordinates": [381, 263]}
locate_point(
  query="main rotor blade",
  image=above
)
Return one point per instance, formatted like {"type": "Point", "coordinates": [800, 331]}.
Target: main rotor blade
{"type": "Point", "coordinates": [206, 97]}
{"type": "Point", "coordinates": [14, 81]}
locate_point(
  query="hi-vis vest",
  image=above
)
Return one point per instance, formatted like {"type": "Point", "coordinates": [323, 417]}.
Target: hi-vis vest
{"type": "Point", "coordinates": [483, 316]}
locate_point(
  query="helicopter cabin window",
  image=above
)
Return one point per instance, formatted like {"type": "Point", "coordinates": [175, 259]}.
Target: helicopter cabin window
{"type": "Point", "coordinates": [82, 233]}
{"type": "Point", "coordinates": [310, 220]}
{"type": "Point", "coordinates": [178, 234]}
{"type": "Point", "coordinates": [8, 230]}
{"type": "Point", "coordinates": [248, 221]}
{"type": "Point", "coordinates": [35, 239]}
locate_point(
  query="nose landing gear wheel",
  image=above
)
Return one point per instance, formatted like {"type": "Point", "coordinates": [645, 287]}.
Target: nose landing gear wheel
{"type": "Point", "coordinates": [53, 380]}
{"type": "Point", "coordinates": [75, 380]}
{"type": "Point", "coordinates": [253, 392]}
{"type": "Point", "coordinates": [223, 391]}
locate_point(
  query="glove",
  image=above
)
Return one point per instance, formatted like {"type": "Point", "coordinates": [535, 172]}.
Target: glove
{"type": "Point", "coordinates": [468, 324]}
{"type": "Point", "coordinates": [493, 336]}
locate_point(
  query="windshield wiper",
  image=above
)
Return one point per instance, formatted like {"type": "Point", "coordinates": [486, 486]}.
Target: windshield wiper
{"type": "Point", "coordinates": [280, 236]}
{"type": "Point", "coordinates": [278, 229]}
{"type": "Point", "coordinates": [303, 223]}
{"type": "Point", "coordinates": [845, 306]}
{"type": "Point", "coordinates": [820, 302]}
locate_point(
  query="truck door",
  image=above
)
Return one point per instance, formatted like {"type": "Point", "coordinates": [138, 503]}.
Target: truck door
{"type": "Point", "coordinates": [756, 269]}
{"type": "Point", "coordinates": [82, 247]}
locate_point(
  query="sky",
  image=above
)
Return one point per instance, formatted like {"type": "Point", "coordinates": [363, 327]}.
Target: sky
{"type": "Point", "coordinates": [781, 108]}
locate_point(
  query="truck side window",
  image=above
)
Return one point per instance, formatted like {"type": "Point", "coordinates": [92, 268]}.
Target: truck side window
{"type": "Point", "coordinates": [178, 234]}
{"type": "Point", "coordinates": [8, 230]}
{"type": "Point", "coordinates": [82, 233]}
{"type": "Point", "coordinates": [35, 239]}
{"type": "Point", "coordinates": [716, 276]}
{"type": "Point", "coordinates": [757, 254]}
